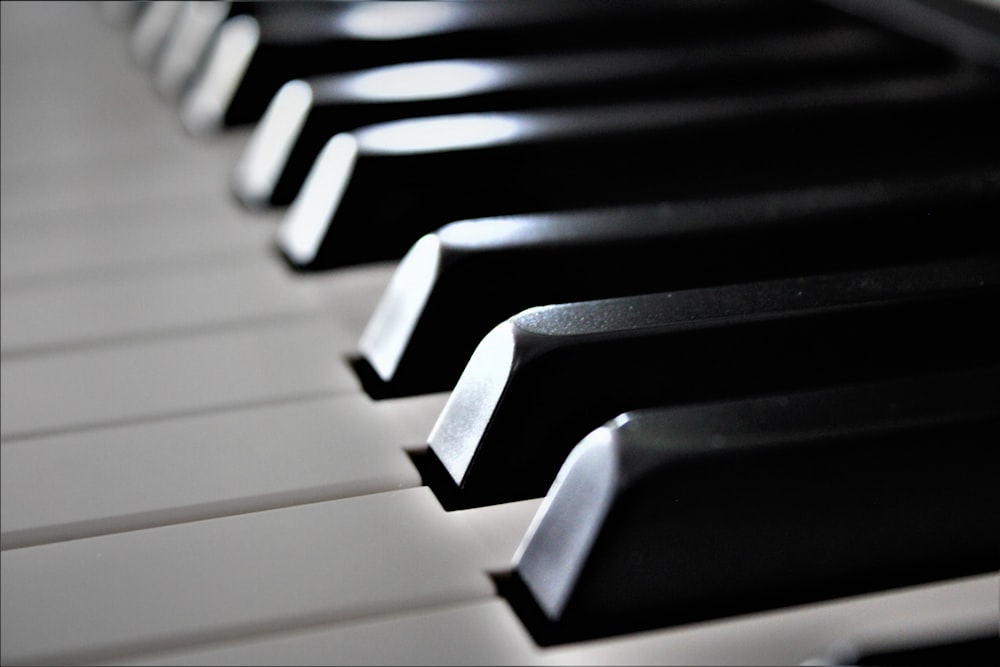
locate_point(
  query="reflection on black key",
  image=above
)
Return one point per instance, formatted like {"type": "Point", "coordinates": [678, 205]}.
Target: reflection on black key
{"type": "Point", "coordinates": [670, 515]}
{"type": "Point", "coordinates": [305, 114]}
{"type": "Point", "coordinates": [968, 649]}
{"type": "Point", "coordinates": [970, 28]}
{"type": "Point", "coordinates": [542, 380]}
{"type": "Point", "coordinates": [373, 192]}
{"type": "Point", "coordinates": [454, 285]}
{"type": "Point", "coordinates": [188, 43]}
{"type": "Point", "coordinates": [255, 57]}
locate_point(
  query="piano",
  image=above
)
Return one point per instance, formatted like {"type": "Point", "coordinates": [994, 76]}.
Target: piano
{"type": "Point", "coordinates": [194, 471]}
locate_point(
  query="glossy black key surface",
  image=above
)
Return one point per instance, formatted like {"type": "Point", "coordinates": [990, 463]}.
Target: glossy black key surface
{"type": "Point", "coordinates": [454, 285]}
{"type": "Point", "coordinates": [305, 114]}
{"type": "Point", "coordinates": [969, 28]}
{"type": "Point", "coordinates": [670, 515]}
{"type": "Point", "coordinates": [255, 57]}
{"type": "Point", "coordinates": [540, 381]}
{"type": "Point", "coordinates": [945, 647]}
{"type": "Point", "coordinates": [373, 192]}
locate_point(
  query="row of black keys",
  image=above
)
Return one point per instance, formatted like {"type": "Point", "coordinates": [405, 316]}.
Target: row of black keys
{"type": "Point", "coordinates": [767, 227]}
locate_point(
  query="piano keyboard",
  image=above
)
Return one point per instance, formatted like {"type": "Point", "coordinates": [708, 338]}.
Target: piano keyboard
{"type": "Point", "coordinates": [192, 470]}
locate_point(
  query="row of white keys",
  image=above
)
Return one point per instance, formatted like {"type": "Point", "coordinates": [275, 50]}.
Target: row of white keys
{"type": "Point", "coordinates": [487, 632]}
{"type": "Point", "coordinates": [240, 576]}
{"type": "Point", "coordinates": [160, 365]}
{"type": "Point", "coordinates": [206, 382]}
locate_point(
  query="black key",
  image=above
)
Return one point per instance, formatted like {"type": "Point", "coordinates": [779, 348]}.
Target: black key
{"type": "Point", "coordinates": [941, 648]}
{"type": "Point", "coordinates": [305, 114]}
{"type": "Point", "coordinates": [542, 380]}
{"type": "Point", "coordinates": [970, 28]}
{"type": "Point", "coordinates": [187, 44]}
{"type": "Point", "coordinates": [152, 30]}
{"type": "Point", "coordinates": [455, 284]}
{"type": "Point", "coordinates": [255, 57]}
{"type": "Point", "coordinates": [373, 192]}
{"type": "Point", "coordinates": [671, 515]}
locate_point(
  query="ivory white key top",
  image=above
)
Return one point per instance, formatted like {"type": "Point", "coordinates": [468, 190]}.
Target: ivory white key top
{"type": "Point", "coordinates": [481, 632]}
{"type": "Point", "coordinates": [117, 238]}
{"type": "Point", "coordinates": [206, 466]}
{"type": "Point", "coordinates": [487, 632]}
{"type": "Point", "coordinates": [78, 312]}
{"type": "Point", "coordinates": [169, 377]}
{"type": "Point", "coordinates": [195, 583]}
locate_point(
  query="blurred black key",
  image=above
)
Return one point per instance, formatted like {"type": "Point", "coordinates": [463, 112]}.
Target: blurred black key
{"type": "Point", "coordinates": [305, 114]}
{"type": "Point", "coordinates": [967, 649]}
{"type": "Point", "coordinates": [122, 15]}
{"type": "Point", "coordinates": [670, 515]}
{"type": "Point", "coordinates": [540, 381]}
{"type": "Point", "coordinates": [373, 192]}
{"type": "Point", "coordinates": [187, 45]}
{"type": "Point", "coordinates": [454, 285]}
{"type": "Point", "coordinates": [152, 29]}
{"type": "Point", "coordinates": [969, 28]}
{"type": "Point", "coordinates": [285, 41]}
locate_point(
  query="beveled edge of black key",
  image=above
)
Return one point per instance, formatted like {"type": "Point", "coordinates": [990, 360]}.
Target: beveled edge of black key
{"type": "Point", "coordinates": [604, 465]}
{"type": "Point", "coordinates": [260, 165]}
{"type": "Point", "coordinates": [468, 411]}
{"type": "Point", "coordinates": [420, 284]}
{"type": "Point", "coordinates": [152, 31]}
{"type": "Point", "coordinates": [303, 231]}
{"type": "Point", "coordinates": [397, 312]}
{"type": "Point", "coordinates": [189, 42]}
{"type": "Point", "coordinates": [204, 106]}
{"type": "Point", "coordinates": [480, 395]}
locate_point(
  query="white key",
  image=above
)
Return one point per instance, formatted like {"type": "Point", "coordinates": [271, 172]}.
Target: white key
{"type": "Point", "coordinates": [487, 632]}
{"type": "Point", "coordinates": [117, 240]}
{"type": "Point", "coordinates": [478, 633]}
{"type": "Point", "coordinates": [137, 476]}
{"type": "Point", "coordinates": [154, 304]}
{"type": "Point", "coordinates": [139, 380]}
{"type": "Point", "coordinates": [234, 577]}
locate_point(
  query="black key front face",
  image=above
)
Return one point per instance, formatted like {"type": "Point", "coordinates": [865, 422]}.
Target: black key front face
{"type": "Point", "coordinates": [540, 381]}
{"type": "Point", "coordinates": [457, 283]}
{"type": "Point", "coordinates": [190, 41]}
{"type": "Point", "coordinates": [372, 193]}
{"type": "Point", "coordinates": [292, 41]}
{"type": "Point", "coordinates": [304, 115]}
{"type": "Point", "coordinates": [767, 502]}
